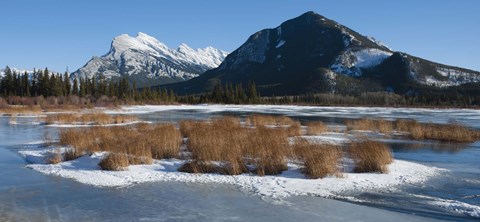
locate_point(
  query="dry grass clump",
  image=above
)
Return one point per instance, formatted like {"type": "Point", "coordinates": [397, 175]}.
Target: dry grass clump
{"type": "Point", "coordinates": [295, 129]}
{"type": "Point", "coordinates": [186, 126]}
{"type": "Point", "coordinates": [19, 109]}
{"type": "Point", "coordinates": [206, 167]}
{"type": "Point", "coordinates": [224, 146]}
{"type": "Point", "coordinates": [315, 128]}
{"type": "Point", "coordinates": [89, 118]}
{"type": "Point", "coordinates": [370, 156]}
{"type": "Point", "coordinates": [164, 140]}
{"type": "Point", "coordinates": [452, 132]}
{"type": "Point", "coordinates": [268, 150]}
{"type": "Point", "coordinates": [319, 160]}
{"type": "Point", "coordinates": [227, 121]}
{"type": "Point", "coordinates": [142, 141]}
{"type": "Point", "coordinates": [260, 120]}
{"type": "Point", "coordinates": [139, 160]}
{"type": "Point", "coordinates": [264, 120]}
{"type": "Point", "coordinates": [218, 141]}
{"type": "Point", "coordinates": [55, 158]}
{"type": "Point", "coordinates": [287, 124]}
{"type": "Point", "coordinates": [114, 162]}
{"type": "Point", "coordinates": [379, 125]}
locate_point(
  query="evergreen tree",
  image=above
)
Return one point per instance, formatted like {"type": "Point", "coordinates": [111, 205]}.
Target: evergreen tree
{"type": "Point", "coordinates": [82, 91]}
{"type": "Point", "coordinates": [25, 85]}
{"type": "Point", "coordinates": [252, 92]}
{"type": "Point", "coordinates": [75, 86]}
{"type": "Point", "coordinates": [67, 85]}
{"type": "Point", "coordinates": [8, 82]}
{"type": "Point", "coordinates": [111, 88]}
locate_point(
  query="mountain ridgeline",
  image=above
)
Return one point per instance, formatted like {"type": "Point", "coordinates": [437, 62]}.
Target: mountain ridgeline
{"type": "Point", "coordinates": [312, 54]}
{"type": "Point", "coordinates": [146, 61]}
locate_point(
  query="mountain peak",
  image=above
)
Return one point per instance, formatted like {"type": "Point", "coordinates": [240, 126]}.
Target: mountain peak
{"type": "Point", "coordinates": [310, 14]}
{"type": "Point", "coordinates": [314, 54]}
{"type": "Point", "coordinates": [142, 34]}
{"type": "Point", "coordinates": [148, 61]}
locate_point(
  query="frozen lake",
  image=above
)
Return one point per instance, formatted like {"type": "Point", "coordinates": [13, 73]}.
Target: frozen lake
{"type": "Point", "coordinates": [28, 195]}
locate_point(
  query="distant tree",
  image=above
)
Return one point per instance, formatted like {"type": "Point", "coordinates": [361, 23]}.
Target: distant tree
{"type": "Point", "coordinates": [82, 91]}
{"type": "Point", "coordinates": [75, 86]}
{"type": "Point", "coordinates": [66, 83]}
{"type": "Point", "coordinates": [252, 92]}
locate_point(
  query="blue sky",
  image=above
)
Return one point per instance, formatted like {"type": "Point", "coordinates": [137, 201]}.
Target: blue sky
{"type": "Point", "coordinates": [61, 33]}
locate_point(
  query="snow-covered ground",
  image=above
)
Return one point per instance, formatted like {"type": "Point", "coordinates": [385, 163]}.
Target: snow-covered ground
{"type": "Point", "coordinates": [291, 182]}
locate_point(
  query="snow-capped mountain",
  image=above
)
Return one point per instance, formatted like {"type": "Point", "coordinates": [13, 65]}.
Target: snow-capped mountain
{"type": "Point", "coordinates": [311, 54]}
{"type": "Point", "coordinates": [147, 61]}
{"type": "Point", "coordinates": [18, 71]}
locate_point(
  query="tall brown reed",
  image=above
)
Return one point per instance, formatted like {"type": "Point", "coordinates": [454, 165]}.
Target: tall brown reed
{"type": "Point", "coordinates": [145, 141]}
{"type": "Point", "coordinates": [88, 118]}
{"type": "Point", "coordinates": [451, 132]}
{"type": "Point", "coordinates": [268, 149]}
{"type": "Point", "coordinates": [114, 162]}
{"type": "Point", "coordinates": [315, 128]}
{"type": "Point", "coordinates": [370, 156]}
{"type": "Point", "coordinates": [319, 160]}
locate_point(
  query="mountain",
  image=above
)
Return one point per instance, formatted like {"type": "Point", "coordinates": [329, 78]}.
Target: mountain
{"type": "Point", "coordinates": [313, 54]}
{"type": "Point", "coordinates": [147, 61]}
{"type": "Point", "coordinates": [18, 71]}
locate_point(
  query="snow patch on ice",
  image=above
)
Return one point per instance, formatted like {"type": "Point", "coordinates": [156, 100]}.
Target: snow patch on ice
{"type": "Point", "coordinates": [291, 182]}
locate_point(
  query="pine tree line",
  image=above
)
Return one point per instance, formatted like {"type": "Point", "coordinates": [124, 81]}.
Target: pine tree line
{"type": "Point", "coordinates": [48, 84]}
{"type": "Point", "coordinates": [226, 94]}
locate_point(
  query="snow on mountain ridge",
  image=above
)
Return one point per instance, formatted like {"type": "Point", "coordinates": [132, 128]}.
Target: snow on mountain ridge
{"type": "Point", "coordinates": [18, 71]}
{"type": "Point", "coordinates": [144, 57]}
{"type": "Point", "coordinates": [209, 56]}
{"type": "Point", "coordinates": [380, 43]}
{"type": "Point", "coordinates": [351, 62]}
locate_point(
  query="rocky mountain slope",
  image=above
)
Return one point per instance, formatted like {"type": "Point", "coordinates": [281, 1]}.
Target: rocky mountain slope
{"type": "Point", "coordinates": [147, 61]}
{"type": "Point", "coordinates": [311, 54]}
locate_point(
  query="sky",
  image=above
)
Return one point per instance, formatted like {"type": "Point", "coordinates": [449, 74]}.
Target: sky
{"type": "Point", "coordinates": [64, 33]}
